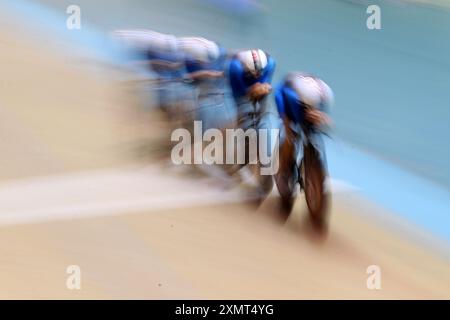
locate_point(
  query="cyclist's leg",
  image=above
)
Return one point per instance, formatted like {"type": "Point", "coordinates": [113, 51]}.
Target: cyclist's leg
{"type": "Point", "coordinates": [268, 127]}
{"type": "Point", "coordinates": [287, 176]}
{"type": "Point", "coordinates": [238, 111]}
{"type": "Point", "coordinates": [316, 140]}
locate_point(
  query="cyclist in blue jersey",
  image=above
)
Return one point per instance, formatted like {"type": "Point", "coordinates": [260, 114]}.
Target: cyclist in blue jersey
{"type": "Point", "coordinates": [250, 75]}
{"type": "Point", "coordinates": [204, 63]}
{"type": "Point", "coordinates": [162, 58]}
{"type": "Point", "coordinates": [303, 101]}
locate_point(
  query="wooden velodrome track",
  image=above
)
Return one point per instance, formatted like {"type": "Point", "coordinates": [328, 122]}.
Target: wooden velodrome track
{"type": "Point", "coordinates": [68, 196]}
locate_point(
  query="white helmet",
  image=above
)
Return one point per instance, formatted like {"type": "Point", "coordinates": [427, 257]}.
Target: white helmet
{"type": "Point", "coordinates": [144, 39]}
{"type": "Point", "coordinates": [312, 90]}
{"type": "Point", "coordinates": [199, 49]}
{"type": "Point", "coordinates": [253, 60]}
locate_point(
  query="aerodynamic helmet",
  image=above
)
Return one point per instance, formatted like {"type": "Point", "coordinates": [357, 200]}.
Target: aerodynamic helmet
{"type": "Point", "coordinates": [200, 49]}
{"type": "Point", "coordinates": [254, 61]}
{"type": "Point", "coordinates": [312, 90]}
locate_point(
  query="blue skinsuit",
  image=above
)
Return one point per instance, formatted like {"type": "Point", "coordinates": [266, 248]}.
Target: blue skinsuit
{"type": "Point", "coordinates": [289, 105]}
{"type": "Point", "coordinates": [261, 116]}
{"type": "Point", "coordinates": [170, 90]}
{"type": "Point", "coordinates": [240, 82]}
{"type": "Point", "coordinates": [212, 109]}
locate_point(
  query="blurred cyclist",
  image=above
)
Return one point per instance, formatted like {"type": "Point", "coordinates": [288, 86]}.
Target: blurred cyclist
{"type": "Point", "coordinates": [161, 55]}
{"type": "Point", "coordinates": [302, 101]}
{"type": "Point", "coordinates": [250, 75]}
{"type": "Point", "coordinates": [205, 62]}
{"type": "Point", "coordinates": [158, 48]}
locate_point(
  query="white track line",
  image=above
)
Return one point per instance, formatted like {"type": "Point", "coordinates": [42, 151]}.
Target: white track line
{"type": "Point", "coordinates": [110, 192]}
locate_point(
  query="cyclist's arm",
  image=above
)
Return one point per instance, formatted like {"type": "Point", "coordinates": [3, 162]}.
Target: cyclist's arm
{"type": "Point", "coordinates": [263, 87]}
{"type": "Point", "coordinates": [169, 65]}
{"type": "Point", "coordinates": [317, 118]}
{"type": "Point", "coordinates": [267, 74]}
{"type": "Point", "coordinates": [166, 60]}
{"type": "Point", "coordinates": [235, 75]}
{"type": "Point", "coordinates": [205, 74]}
{"type": "Point", "coordinates": [280, 101]}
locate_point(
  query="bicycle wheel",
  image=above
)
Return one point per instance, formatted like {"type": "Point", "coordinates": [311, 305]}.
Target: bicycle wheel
{"type": "Point", "coordinates": [286, 178]}
{"type": "Point", "coordinates": [314, 174]}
